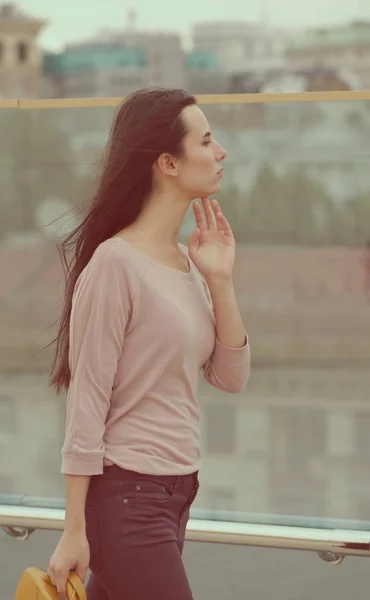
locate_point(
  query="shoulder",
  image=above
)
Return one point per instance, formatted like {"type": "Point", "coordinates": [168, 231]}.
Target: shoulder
{"type": "Point", "coordinates": [112, 266]}
{"type": "Point", "coordinates": [115, 256]}
{"type": "Point", "coordinates": [111, 252]}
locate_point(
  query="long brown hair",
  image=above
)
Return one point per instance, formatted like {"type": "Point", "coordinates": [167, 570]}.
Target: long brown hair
{"type": "Point", "coordinates": [148, 123]}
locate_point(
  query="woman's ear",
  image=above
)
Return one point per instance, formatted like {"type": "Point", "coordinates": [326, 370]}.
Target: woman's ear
{"type": "Point", "coordinates": [167, 164]}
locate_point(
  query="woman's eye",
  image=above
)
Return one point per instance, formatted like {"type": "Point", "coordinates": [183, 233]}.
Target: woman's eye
{"type": "Point", "coordinates": [207, 143]}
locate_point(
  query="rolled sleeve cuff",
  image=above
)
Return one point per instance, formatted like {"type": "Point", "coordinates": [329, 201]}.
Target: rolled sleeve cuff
{"type": "Point", "coordinates": [232, 356]}
{"type": "Point", "coordinates": [82, 464]}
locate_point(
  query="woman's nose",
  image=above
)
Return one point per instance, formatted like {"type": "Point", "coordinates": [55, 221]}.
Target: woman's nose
{"type": "Point", "coordinates": [222, 154]}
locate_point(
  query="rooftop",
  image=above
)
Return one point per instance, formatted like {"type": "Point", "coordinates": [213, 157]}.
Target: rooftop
{"type": "Point", "coordinates": [95, 58]}
{"type": "Point", "coordinates": [352, 34]}
{"type": "Point", "coordinates": [11, 11]}
{"type": "Point", "coordinates": [12, 20]}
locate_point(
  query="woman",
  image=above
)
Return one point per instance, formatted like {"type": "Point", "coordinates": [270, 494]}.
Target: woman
{"type": "Point", "coordinates": [143, 317]}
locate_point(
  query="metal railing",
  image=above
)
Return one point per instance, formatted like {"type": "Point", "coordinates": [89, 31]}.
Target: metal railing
{"type": "Point", "coordinates": [21, 515]}
{"type": "Point", "coordinates": [269, 98]}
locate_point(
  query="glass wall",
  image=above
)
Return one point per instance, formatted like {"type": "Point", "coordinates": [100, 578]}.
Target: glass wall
{"type": "Point", "coordinates": [295, 446]}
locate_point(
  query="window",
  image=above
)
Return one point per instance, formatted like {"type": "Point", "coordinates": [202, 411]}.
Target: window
{"type": "Point", "coordinates": [22, 52]}
{"type": "Point", "coordinates": [220, 423]}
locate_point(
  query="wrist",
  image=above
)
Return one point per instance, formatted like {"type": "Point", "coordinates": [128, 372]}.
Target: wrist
{"type": "Point", "coordinates": [74, 527]}
{"type": "Point", "coordinates": [220, 285]}
{"type": "Point", "coordinates": [70, 532]}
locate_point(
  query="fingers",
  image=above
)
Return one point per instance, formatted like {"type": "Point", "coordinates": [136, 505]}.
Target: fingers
{"type": "Point", "coordinates": [59, 580]}
{"type": "Point", "coordinates": [81, 572]}
{"type": "Point", "coordinates": [224, 226]}
{"type": "Point", "coordinates": [216, 210]}
{"type": "Point", "coordinates": [61, 585]}
{"type": "Point", "coordinates": [212, 217]}
{"type": "Point", "coordinates": [222, 223]}
{"type": "Point", "coordinates": [207, 220]}
{"type": "Point", "coordinates": [209, 213]}
{"type": "Point", "coordinates": [194, 238]}
{"type": "Point", "coordinates": [199, 217]}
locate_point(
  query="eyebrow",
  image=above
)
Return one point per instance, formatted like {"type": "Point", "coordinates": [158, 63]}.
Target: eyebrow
{"type": "Point", "coordinates": [207, 134]}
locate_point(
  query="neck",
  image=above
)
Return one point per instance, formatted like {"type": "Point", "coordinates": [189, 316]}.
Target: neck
{"type": "Point", "coordinates": [161, 218]}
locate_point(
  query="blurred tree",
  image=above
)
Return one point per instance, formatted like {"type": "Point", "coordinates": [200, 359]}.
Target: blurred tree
{"type": "Point", "coordinates": [265, 220]}
{"type": "Point", "coordinates": [308, 207]}
{"type": "Point", "coordinates": [230, 199]}
{"type": "Point", "coordinates": [356, 215]}
{"type": "Point", "coordinates": [290, 209]}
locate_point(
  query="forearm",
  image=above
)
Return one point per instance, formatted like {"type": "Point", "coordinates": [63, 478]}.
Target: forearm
{"type": "Point", "coordinates": [76, 492]}
{"type": "Point", "coordinates": [230, 329]}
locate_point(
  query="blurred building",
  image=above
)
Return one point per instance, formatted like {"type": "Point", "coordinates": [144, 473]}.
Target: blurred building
{"type": "Point", "coordinates": [343, 47]}
{"type": "Point", "coordinates": [117, 62]}
{"type": "Point", "coordinates": [205, 74]}
{"type": "Point", "coordinates": [318, 79]}
{"type": "Point", "coordinates": [20, 57]}
{"type": "Point", "coordinates": [96, 71]}
{"type": "Point", "coordinates": [253, 47]}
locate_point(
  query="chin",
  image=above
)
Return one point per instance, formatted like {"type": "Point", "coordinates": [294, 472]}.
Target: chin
{"type": "Point", "coordinates": [215, 188]}
{"type": "Point", "coordinates": [209, 191]}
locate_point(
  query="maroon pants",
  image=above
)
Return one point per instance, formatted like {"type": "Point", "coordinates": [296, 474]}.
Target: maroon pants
{"type": "Point", "coordinates": [136, 528]}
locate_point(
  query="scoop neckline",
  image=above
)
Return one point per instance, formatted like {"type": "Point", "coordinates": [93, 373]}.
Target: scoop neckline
{"type": "Point", "coordinates": [186, 274]}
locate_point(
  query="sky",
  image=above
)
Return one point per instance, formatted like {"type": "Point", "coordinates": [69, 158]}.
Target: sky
{"type": "Point", "coordinates": [70, 21]}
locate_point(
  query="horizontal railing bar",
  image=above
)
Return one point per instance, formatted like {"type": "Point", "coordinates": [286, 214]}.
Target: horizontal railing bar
{"type": "Point", "coordinates": [291, 97]}
{"type": "Point", "coordinates": [205, 514]}
{"type": "Point", "coordinates": [31, 501]}
{"type": "Point", "coordinates": [281, 520]}
{"type": "Point", "coordinates": [9, 103]}
{"type": "Point", "coordinates": [337, 541]}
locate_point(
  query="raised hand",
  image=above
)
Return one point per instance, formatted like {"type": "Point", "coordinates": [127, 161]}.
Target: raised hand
{"type": "Point", "coordinates": [212, 244]}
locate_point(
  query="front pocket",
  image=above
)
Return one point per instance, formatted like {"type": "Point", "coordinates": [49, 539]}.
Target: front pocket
{"type": "Point", "coordinates": [149, 490]}
{"type": "Point", "coordinates": [93, 537]}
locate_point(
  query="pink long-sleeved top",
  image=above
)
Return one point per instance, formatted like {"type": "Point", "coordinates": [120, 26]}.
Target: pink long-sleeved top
{"type": "Point", "coordinates": [140, 335]}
